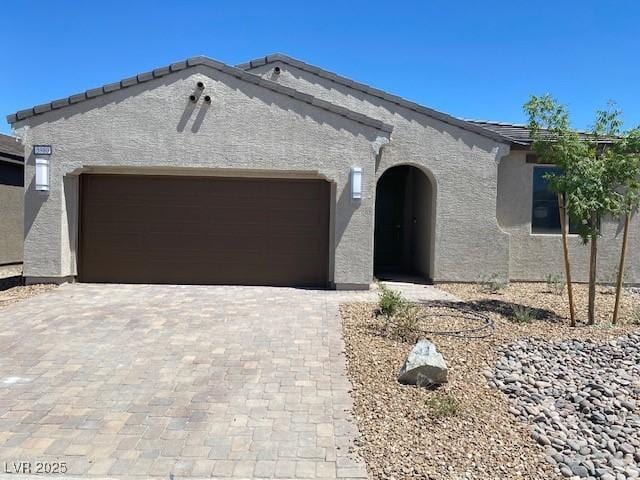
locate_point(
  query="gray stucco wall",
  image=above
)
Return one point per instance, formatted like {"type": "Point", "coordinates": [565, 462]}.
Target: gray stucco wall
{"type": "Point", "coordinates": [462, 165]}
{"type": "Point", "coordinates": [11, 224]}
{"type": "Point", "coordinates": [534, 256]}
{"type": "Point", "coordinates": [479, 213]}
{"type": "Point", "coordinates": [154, 128]}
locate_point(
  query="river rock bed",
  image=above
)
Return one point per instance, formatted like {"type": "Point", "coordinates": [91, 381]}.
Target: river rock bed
{"type": "Point", "coordinates": [581, 397]}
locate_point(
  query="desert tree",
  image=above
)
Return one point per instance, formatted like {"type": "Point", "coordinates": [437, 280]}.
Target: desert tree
{"type": "Point", "coordinates": [592, 169]}
{"type": "Point", "coordinates": [628, 149]}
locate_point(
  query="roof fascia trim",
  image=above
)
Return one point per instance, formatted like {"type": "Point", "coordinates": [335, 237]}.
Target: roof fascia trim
{"type": "Point", "coordinates": [443, 117]}
{"type": "Point", "coordinates": [208, 62]}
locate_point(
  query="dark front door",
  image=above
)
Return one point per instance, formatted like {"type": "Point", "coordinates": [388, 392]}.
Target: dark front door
{"type": "Point", "coordinates": [389, 224]}
{"type": "Point", "coordinates": [204, 230]}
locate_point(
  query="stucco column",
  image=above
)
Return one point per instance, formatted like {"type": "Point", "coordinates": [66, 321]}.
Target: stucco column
{"type": "Point", "coordinates": [42, 221]}
{"type": "Point", "coordinates": [69, 209]}
{"type": "Point", "coordinates": [354, 225]}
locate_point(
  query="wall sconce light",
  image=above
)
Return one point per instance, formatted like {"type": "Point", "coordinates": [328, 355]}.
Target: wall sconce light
{"type": "Point", "coordinates": [200, 85]}
{"type": "Point", "coordinates": [207, 98]}
{"type": "Point", "coordinates": [356, 183]}
{"type": "Point", "coordinates": [276, 70]}
{"type": "Point", "coordinates": [193, 98]}
{"type": "Point", "coordinates": [42, 174]}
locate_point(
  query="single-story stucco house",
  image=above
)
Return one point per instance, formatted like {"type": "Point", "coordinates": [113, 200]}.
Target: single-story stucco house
{"type": "Point", "coordinates": [11, 200]}
{"type": "Point", "coordinates": [276, 172]}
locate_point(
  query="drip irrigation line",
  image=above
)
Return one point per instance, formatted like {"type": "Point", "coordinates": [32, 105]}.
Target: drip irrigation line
{"type": "Point", "coordinates": [483, 328]}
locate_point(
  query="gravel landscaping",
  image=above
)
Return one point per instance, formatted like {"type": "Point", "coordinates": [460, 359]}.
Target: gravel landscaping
{"type": "Point", "coordinates": [466, 428]}
{"type": "Point", "coordinates": [581, 397]}
{"type": "Point", "coordinates": [12, 289]}
{"type": "Point", "coordinates": [548, 304]}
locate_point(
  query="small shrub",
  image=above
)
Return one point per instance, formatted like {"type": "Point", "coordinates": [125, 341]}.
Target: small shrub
{"type": "Point", "coordinates": [556, 283]}
{"type": "Point", "coordinates": [390, 302]}
{"type": "Point", "coordinates": [402, 318]}
{"type": "Point", "coordinates": [442, 406]}
{"type": "Point", "coordinates": [604, 326]}
{"type": "Point", "coordinates": [491, 284]}
{"type": "Point", "coordinates": [522, 314]}
{"type": "Point", "coordinates": [635, 316]}
{"type": "Point", "coordinates": [404, 323]}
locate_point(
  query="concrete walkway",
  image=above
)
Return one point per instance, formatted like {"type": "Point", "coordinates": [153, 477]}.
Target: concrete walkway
{"type": "Point", "coordinates": [420, 293]}
{"type": "Point", "coordinates": [189, 381]}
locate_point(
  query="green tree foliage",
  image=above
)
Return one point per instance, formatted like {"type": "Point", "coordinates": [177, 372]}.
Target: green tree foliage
{"type": "Point", "coordinates": [628, 149]}
{"type": "Point", "coordinates": [599, 169]}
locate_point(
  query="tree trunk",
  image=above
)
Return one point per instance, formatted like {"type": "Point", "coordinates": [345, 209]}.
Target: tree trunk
{"type": "Point", "coordinates": [623, 252]}
{"type": "Point", "coordinates": [592, 270]}
{"type": "Point", "coordinates": [567, 265]}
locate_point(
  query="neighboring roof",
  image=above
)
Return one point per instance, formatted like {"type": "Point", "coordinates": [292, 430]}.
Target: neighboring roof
{"type": "Point", "coordinates": [443, 117]}
{"type": "Point", "coordinates": [192, 62]}
{"type": "Point", "coordinates": [11, 149]}
{"type": "Point", "coordinates": [518, 132]}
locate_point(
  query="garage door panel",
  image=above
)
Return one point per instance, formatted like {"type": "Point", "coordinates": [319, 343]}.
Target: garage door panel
{"type": "Point", "coordinates": [297, 216]}
{"type": "Point", "coordinates": [204, 230]}
{"type": "Point", "coordinates": [288, 245]}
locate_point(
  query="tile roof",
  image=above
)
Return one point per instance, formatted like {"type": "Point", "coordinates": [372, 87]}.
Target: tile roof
{"type": "Point", "coordinates": [520, 133]}
{"type": "Point", "coordinates": [192, 62]}
{"type": "Point", "coordinates": [517, 132]}
{"type": "Point", "coordinates": [443, 117]}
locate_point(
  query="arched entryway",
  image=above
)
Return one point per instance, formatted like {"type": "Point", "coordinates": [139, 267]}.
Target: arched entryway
{"type": "Point", "coordinates": [404, 224]}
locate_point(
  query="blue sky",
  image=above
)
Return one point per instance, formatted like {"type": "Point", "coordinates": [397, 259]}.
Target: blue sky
{"type": "Point", "coordinates": [468, 58]}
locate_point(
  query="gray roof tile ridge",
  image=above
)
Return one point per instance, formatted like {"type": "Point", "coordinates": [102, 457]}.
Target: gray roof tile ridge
{"type": "Point", "coordinates": [192, 62]}
{"type": "Point", "coordinates": [496, 123]}
{"type": "Point", "coordinates": [516, 125]}
{"type": "Point", "coordinates": [443, 117]}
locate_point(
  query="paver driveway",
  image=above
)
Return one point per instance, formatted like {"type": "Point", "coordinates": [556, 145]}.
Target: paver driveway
{"type": "Point", "coordinates": [173, 381]}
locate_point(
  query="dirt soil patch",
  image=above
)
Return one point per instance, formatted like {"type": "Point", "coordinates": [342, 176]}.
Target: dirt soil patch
{"type": "Point", "coordinates": [463, 429]}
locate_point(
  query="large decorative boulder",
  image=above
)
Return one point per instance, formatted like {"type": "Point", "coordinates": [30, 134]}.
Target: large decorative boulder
{"type": "Point", "coordinates": [424, 366]}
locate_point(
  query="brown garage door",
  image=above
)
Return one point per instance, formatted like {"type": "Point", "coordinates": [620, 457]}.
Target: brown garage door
{"type": "Point", "coordinates": [204, 230]}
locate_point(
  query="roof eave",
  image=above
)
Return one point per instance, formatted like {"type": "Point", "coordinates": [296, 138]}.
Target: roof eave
{"type": "Point", "coordinates": [192, 62]}
{"type": "Point", "coordinates": [443, 117]}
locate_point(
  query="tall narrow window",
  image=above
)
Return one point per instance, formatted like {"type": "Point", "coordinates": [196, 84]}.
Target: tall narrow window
{"type": "Point", "coordinates": [545, 215]}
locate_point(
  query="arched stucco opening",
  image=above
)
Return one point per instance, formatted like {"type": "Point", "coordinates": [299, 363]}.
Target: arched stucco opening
{"type": "Point", "coordinates": [404, 224]}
